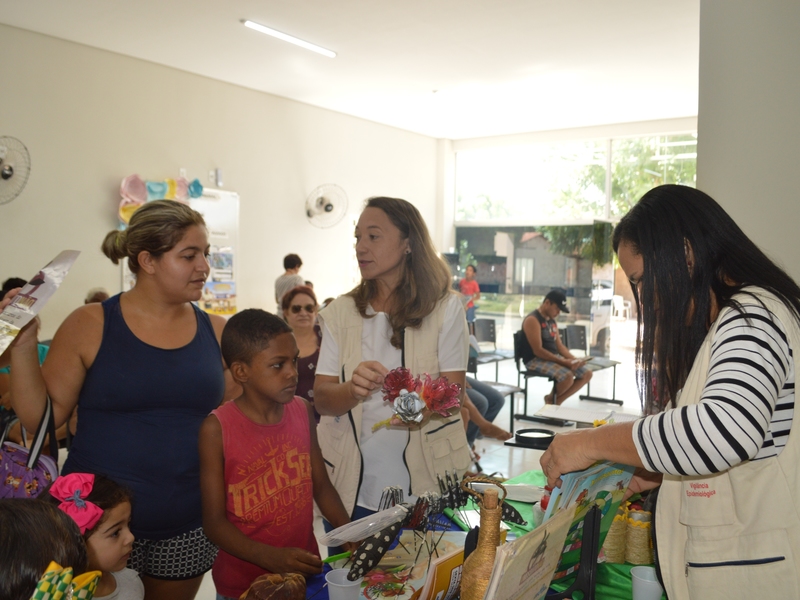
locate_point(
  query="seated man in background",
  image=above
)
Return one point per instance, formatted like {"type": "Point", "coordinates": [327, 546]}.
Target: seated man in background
{"type": "Point", "coordinates": [546, 354]}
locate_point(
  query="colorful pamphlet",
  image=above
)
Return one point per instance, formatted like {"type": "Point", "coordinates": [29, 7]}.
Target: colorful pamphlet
{"type": "Point", "coordinates": [524, 568]}
{"type": "Point", "coordinates": [33, 296]}
{"type": "Point", "coordinates": [603, 484]}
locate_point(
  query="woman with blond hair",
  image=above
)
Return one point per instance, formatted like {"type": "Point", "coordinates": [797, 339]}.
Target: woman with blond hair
{"type": "Point", "coordinates": [403, 313]}
{"type": "Point", "coordinates": [144, 369]}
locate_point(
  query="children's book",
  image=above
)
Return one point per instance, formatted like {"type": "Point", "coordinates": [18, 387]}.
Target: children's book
{"type": "Point", "coordinates": [443, 581]}
{"type": "Point", "coordinates": [524, 568]}
{"type": "Point", "coordinates": [603, 484]}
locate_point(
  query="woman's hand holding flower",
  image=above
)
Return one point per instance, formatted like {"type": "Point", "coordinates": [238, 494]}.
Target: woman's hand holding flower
{"type": "Point", "coordinates": [367, 377]}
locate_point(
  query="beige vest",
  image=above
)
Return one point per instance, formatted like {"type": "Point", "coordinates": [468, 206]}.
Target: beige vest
{"type": "Point", "coordinates": [437, 446]}
{"type": "Point", "coordinates": [735, 534]}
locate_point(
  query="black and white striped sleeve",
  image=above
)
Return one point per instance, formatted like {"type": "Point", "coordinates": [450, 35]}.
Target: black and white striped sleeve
{"type": "Point", "coordinates": [746, 407]}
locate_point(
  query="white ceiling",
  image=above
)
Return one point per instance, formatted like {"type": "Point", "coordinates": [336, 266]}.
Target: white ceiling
{"type": "Point", "coordinates": [445, 68]}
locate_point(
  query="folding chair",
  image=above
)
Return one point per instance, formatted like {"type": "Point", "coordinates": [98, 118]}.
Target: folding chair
{"type": "Point", "coordinates": [486, 333]}
{"type": "Point", "coordinates": [575, 339]}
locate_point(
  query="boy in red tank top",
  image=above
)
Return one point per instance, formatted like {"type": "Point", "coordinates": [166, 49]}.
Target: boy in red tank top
{"type": "Point", "coordinates": [260, 464]}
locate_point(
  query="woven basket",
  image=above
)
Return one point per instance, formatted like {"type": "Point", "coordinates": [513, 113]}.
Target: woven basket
{"type": "Point", "coordinates": [638, 540]}
{"type": "Point", "coordinates": [614, 546]}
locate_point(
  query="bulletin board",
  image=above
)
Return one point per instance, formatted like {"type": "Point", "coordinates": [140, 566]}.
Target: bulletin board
{"type": "Point", "coordinates": [220, 209]}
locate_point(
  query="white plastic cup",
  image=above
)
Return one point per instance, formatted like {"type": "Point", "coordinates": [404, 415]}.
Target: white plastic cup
{"type": "Point", "coordinates": [341, 588]}
{"type": "Point", "coordinates": [645, 584]}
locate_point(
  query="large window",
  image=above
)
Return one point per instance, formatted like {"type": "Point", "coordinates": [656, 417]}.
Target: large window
{"type": "Point", "coordinates": [538, 216]}
{"type": "Point", "coordinates": [571, 181]}
{"type": "Point", "coordinates": [518, 265]}
{"type": "Point", "coordinates": [531, 182]}
{"type": "Point", "coordinates": [640, 164]}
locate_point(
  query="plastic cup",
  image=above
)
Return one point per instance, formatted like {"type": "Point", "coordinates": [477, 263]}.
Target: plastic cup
{"type": "Point", "coordinates": [341, 588]}
{"type": "Point", "coordinates": [645, 584]}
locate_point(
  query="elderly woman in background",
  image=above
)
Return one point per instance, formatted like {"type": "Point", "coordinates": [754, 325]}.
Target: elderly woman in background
{"type": "Point", "coordinates": [300, 312]}
{"type": "Point", "coordinates": [719, 333]}
{"type": "Point", "coordinates": [403, 313]}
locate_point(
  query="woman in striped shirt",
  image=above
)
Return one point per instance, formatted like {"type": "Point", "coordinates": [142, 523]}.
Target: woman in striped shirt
{"type": "Point", "coordinates": [717, 355]}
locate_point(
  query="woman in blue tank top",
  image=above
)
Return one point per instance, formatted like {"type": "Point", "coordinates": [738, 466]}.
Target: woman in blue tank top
{"type": "Point", "coordinates": [144, 369]}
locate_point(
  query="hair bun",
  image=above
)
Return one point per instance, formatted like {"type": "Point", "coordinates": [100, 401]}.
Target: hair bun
{"type": "Point", "coordinates": [114, 245]}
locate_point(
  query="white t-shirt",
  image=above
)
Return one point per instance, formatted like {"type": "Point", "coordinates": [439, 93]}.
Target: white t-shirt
{"type": "Point", "coordinates": [129, 586]}
{"type": "Point", "coordinates": [382, 450]}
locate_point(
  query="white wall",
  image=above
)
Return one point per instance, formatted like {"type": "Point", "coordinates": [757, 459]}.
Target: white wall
{"type": "Point", "coordinates": [749, 119]}
{"type": "Point", "coordinates": [91, 117]}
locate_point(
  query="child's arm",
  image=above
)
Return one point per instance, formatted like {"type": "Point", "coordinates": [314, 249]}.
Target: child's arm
{"type": "Point", "coordinates": [325, 495]}
{"type": "Point", "coordinates": [224, 533]}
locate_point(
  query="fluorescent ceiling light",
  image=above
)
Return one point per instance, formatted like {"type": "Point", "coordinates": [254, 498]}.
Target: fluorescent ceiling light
{"type": "Point", "coordinates": [289, 38]}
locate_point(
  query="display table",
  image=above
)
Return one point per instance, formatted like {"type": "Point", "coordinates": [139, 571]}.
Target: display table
{"type": "Point", "coordinates": [613, 581]}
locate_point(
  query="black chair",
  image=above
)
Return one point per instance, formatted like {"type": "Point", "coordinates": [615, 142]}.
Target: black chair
{"type": "Point", "coordinates": [575, 338]}
{"type": "Point", "coordinates": [523, 373]}
{"type": "Point", "coordinates": [472, 366]}
{"type": "Point", "coordinates": [486, 333]}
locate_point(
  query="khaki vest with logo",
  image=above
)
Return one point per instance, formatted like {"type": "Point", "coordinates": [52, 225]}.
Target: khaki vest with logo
{"type": "Point", "coordinates": [439, 445]}
{"type": "Point", "coordinates": [735, 534]}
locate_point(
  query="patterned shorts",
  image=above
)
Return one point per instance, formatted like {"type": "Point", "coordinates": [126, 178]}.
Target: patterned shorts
{"type": "Point", "coordinates": [184, 556]}
{"type": "Point", "coordinates": [553, 370]}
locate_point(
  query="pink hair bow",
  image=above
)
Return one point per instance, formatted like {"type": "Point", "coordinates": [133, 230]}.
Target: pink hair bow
{"type": "Point", "coordinates": [72, 490]}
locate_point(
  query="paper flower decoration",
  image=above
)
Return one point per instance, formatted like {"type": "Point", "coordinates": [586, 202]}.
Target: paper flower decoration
{"type": "Point", "coordinates": [410, 395]}
{"type": "Point", "coordinates": [135, 192]}
{"type": "Point", "coordinates": [440, 395]}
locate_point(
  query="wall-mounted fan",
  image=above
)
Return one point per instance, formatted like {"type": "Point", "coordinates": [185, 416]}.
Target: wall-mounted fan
{"type": "Point", "coordinates": [15, 166]}
{"type": "Point", "coordinates": [326, 205]}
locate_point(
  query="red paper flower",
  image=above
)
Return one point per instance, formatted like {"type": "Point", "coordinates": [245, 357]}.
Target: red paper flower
{"type": "Point", "coordinates": [439, 395]}
{"type": "Point", "coordinates": [397, 380]}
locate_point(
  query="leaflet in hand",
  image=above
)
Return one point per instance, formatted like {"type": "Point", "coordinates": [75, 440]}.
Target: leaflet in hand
{"type": "Point", "coordinates": [603, 484]}
{"type": "Point", "coordinates": [33, 296]}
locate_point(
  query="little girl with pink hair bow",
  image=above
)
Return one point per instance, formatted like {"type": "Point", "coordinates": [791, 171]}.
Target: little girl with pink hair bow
{"type": "Point", "coordinates": [102, 510]}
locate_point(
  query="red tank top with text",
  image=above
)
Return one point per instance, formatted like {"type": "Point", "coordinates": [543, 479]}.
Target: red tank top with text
{"type": "Point", "coordinates": [268, 486]}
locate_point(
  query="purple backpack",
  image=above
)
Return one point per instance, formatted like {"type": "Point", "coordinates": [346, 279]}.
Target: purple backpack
{"type": "Point", "coordinates": [26, 473]}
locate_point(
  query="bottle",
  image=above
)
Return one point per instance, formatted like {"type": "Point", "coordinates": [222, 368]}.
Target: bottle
{"type": "Point", "coordinates": [478, 567]}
